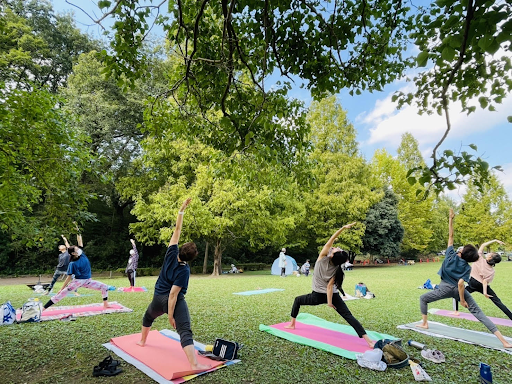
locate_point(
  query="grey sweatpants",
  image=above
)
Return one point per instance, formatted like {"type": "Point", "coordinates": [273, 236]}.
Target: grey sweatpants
{"type": "Point", "coordinates": [445, 291]}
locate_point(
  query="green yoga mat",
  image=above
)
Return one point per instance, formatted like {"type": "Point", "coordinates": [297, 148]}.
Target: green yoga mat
{"type": "Point", "coordinates": [483, 339]}
{"type": "Point", "coordinates": [339, 339]}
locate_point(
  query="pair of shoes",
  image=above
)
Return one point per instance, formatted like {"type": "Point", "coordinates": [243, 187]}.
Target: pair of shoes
{"type": "Point", "coordinates": [68, 318]}
{"type": "Point", "coordinates": [108, 367]}
{"type": "Point", "coordinates": [433, 355]}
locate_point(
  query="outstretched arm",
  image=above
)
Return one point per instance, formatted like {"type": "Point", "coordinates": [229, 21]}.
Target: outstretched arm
{"type": "Point", "coordinates": [66, 243]}
{"type": "Point", "coordinates": [179, 222]}
{"type": "Point", "coordinates": [330, 242]}
{"type": "Point", "coordinates": [485, 245]}
{"type": "Point", "coordinates": [136, 253]}
{"type": "Point", "coordinates": [450, 227]}
{"type": "Point", "coordinates": [79, 239]}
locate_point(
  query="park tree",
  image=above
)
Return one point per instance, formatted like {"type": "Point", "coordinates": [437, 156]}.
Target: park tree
{"type": "Point", "coordinates": [342, 191]}
{"type": "Point", "coordinates": [484, 215]}
{"type": "Point", "coordinates": [234, 198]}
{"type": "Point", "coordinates": [413, 213]}
{"type": "Point", "coordinates": [438, 222]}
{"type": "Point", "coordinates": [41, 162]}
{"type": "Point", "coordinates": [384, 232]}
{"type": "Point", "coordinates": [328, 46]}
{"type": "Point", "coordinates": [43, 45]}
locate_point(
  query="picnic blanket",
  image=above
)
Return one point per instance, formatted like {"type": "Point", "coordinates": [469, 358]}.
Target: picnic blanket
{"type": "Point", "coordinates": [483, 339]}
{"type": "Point", "coordinates": [469, 316]}
{"type": "Point", "coordinates": [162, 358]}
{"type": "Point", "coordinates": [339, 339]}
{"type": "Point", "coordinates": [57, 313]}
{"type": "Point", "coordinates": [257, 292]}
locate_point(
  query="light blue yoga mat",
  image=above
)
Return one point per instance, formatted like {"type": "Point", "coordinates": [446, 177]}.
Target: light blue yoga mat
{"type": "Point", "coordinates": [257, 292]}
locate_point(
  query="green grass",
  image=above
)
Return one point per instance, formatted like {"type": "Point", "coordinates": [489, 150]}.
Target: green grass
{"type": "Point", "coordinates": [58, 352]}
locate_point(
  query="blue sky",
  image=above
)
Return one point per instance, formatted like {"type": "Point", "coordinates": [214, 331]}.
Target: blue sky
{"type": "Point", "coordinates": [380, 125]}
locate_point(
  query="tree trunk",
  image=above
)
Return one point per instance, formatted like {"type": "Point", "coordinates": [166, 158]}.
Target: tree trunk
{"type": "Point", "coordinates": [205, 263]}
{"type": "Point", "coordinates": [351, 257]}
{"type": "Point", "coordinates": [217, 259]}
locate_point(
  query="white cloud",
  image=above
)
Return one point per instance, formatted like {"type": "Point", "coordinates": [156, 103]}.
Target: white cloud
{"type": "Point", "coordinates": [387, 124]}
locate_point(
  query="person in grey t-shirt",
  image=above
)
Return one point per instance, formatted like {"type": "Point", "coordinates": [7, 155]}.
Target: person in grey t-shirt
{"type": "Point", "coordinates": [62, 267]}
{"type": "Point", "coordinates": [327, 280]}
{"type": "Point", "coordinates": [133, 263]}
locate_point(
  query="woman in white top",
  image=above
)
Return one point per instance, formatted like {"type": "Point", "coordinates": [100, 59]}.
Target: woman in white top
{"type": "Point", "coordinates": [327, 280]}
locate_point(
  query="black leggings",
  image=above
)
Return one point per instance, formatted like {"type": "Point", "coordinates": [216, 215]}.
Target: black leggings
{"type": "Point", "coordinates": [476, 286]}
{"type": "Point", "coordinates": [316, 298]}
{"type": "Point", "coordinates": [160, 305]}
{"type": "Point", "coordinates": [131, 277]}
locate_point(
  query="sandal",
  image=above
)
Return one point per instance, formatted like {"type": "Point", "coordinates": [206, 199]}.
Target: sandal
{"type": "Point", "coordinates": [108, 361]}
{"type": "Point", "coordinates": [106, 371]}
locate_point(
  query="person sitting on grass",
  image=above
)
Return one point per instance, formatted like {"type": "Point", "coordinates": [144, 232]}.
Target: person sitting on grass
{"type": "Point", "coordinates": [79, 267]}
{"type": "Point", "coordinates": [327, 280]}
{"type": "Point", "coordinates": [454, 271]}
{"type": "Point", "coordinates": [170, 289]}
{"type": "Point", "coordinates": [482, 274]}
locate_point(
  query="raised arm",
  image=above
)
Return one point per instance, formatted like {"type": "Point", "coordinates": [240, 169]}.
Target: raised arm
{"type": "Point", "coordinates": [134, 247]}
{"type": "Point", "coordinates": [179, 222]}
{"type": "Point", "coordinates": [450, 227]}
{"type": "Point", "coordinates": [330, 242]}
{"type": "Point", "coordinates": [79, 239]}
{"type": "Point", "coordinates": [66, 243]}
{"type": "Point", "coordinates": [485, 245]}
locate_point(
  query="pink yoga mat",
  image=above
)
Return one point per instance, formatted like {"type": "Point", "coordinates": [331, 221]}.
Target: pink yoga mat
{"type": "Point", "coordinates": [134, 289]}
{"type": "Point", "coordinates": [80, 310]}
{"type": "Point", "coordinates": [469, 316]}
{"type": "Point", "coordinates": [323, 335]}
{"type": "Point", "coordinates": [162, 354]}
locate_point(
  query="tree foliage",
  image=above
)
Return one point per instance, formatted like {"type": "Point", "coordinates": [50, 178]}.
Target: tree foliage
{"type": "Point", "coordinates": [384, 232]}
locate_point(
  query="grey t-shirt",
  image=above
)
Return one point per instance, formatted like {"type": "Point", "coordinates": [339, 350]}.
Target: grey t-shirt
{"type": "Point", "coordinates": [324, 271]}
{"type": "Point", "coordinates": [63, 261]}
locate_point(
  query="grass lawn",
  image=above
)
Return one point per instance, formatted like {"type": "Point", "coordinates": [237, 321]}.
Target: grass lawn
{"type": "Point", "coordinates": [65, 352]}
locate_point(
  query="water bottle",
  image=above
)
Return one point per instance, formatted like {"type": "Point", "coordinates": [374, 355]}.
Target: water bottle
{"type": "Point", "coordinates": [485, 374]}
{"type": "Point", "coordinates": [415, 344]}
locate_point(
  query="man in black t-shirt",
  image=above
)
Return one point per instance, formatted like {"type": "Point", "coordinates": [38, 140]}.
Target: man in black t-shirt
{"type": "Point", "coordinates": [170, 290]}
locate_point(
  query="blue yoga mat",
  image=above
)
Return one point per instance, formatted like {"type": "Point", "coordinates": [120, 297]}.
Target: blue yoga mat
{"type": "Point", "coordinates": [257, 292]}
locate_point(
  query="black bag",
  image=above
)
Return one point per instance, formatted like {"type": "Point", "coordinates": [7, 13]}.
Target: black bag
{"type": "Point", "coordinates": [393, 354]}
{"type": "Point", "coordinates": [226, 350]}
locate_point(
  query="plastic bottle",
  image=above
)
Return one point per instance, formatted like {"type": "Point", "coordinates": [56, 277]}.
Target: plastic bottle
{"type": "Point", "coordinates": [415, 344]}
{"type": "Point", "coordinates": [485, 374]}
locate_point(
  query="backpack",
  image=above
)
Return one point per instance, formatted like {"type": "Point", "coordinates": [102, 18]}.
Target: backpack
{"type": "Point", "coordinates": [393, 354]}
{"type": "Point", "coordinates": [7, 314]}
{"type": "Point", "coordinates": [31, 311]}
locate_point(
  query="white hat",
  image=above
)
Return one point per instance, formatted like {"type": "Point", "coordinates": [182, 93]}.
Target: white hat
{"type": "Point", "coordinates": [460, 249]}
{"type": "Point", "coordinates": [283, 250]}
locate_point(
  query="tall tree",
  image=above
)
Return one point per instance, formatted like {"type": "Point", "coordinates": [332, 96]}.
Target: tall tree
{"type": "Point", "coordinates": [384, 232]}
{"type": "Point", "coordinates": [343, 191]}
{"type": "Point", "coordinates": [48, 44]}
{"type": "Point", "coordinates": [233, 198]}
{"type": "Point", "coordinates": [413, 213]}
{"type": "Point", "coordinates": [484, 215]}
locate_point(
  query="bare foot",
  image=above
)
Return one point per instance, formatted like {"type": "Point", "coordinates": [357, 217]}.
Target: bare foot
{"type": "Point", "coordinates": [200, 367]}
{"type": "Point", "coordinates": [77, 294]}
{"type": "Point", "coordinates": [507, 345]}
{"type": "Point", "coordinates": [106, 306]}
{"type": "Point", "coordinates": [454, 313]}
{"type": "Point", "coordinates": [141, 343]}
{"type": "Point", "coordinates": [422, 325]}
{"type": "Point", "coordinates": [290, 326]}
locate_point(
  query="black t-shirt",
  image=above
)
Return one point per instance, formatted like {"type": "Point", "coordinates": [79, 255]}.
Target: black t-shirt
{"type": "Point", "coordinates": [172, 273]}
